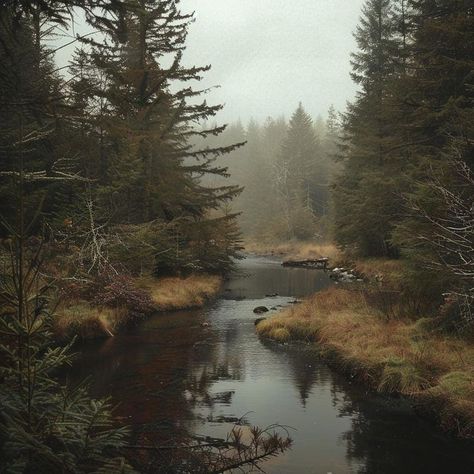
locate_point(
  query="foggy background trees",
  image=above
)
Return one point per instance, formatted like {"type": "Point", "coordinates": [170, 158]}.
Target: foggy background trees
{"type": "Point", "coordinates": [285, 169]}
{"type": "Point", "coordinates": [115, 165]}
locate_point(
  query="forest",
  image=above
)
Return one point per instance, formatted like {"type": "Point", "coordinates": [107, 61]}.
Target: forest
{"type": "Point", "coordinates": [122, 196]}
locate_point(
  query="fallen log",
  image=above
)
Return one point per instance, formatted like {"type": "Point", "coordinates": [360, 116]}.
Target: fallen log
{"type": "Point", "coordinates": [316, 263]}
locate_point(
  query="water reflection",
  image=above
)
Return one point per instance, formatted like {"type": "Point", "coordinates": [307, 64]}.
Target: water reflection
{"type": "Point", "coordinates": [174, 378]}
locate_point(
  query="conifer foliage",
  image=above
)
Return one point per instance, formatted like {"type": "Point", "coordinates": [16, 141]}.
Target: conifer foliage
{"type": "Point", "coordinates": [85, 164]}
{"type": "Point", "coordinates": [406, 137]}
{"type": "Point", "coordinates": [148, 168]}
{"type": "Point", "coordinates": [411, 116]}
{"type": "Point", "coordinates": [126, 121]}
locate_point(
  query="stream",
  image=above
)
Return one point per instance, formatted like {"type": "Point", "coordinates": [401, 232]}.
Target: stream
{"type": "Point", "coordinates": [173, 376]}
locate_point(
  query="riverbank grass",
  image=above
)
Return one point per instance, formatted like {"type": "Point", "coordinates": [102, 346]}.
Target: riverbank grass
{"type": "Point", "coordinates": [88, 322]}
{"type": "Point", "coordinates": [392, 356]}
{"type": "Point", "coordinates": [79, 318]}
{"type": "Point", "coordinates": [172, 294]}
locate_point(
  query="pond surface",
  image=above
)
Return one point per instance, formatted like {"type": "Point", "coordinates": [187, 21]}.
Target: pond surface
{"type": "Point", "coordinates": [171, 376]}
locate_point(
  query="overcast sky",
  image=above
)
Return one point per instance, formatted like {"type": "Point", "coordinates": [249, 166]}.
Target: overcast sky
{"type": "Point", "coordinates": [267, 55]}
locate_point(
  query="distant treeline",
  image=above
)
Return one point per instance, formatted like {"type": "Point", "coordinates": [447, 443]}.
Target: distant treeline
{"type": "Point", "coordinates": [392, 175]}
{"type": "Point", "coordinates": [285, 169]}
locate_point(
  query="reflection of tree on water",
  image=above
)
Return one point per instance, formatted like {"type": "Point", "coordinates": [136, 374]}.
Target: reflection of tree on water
{"type": "Point", "coordinates": [306, 370]}
{"type": "Point", "coordinates": [200, 381]}
{"type": "Point", "coordinates": [305, 374]}
{"type": "Point", "coordinates": [197, 454]}
{"type": "Point", "coordinates": [384, 431]}
{"type": "Point", "coordinates": [148, 371]}
{"type": "Point", "coordinates": [379, 439]}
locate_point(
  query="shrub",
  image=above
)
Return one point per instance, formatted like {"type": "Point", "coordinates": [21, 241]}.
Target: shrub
{"type": "Point", "coordinates": [118, 291]}
{"type": "Point", "coordinates": [456, 315]}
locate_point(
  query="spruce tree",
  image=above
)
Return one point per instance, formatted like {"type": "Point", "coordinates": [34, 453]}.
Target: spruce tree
{"type": "Point", "coordinates": [439, 95]}
{"type": "Point", "coordinates": [365, 195]}
{"type": "Point", "coordinates": [154, 170]}
{"type": "Point", "coordinates": [301, 176]}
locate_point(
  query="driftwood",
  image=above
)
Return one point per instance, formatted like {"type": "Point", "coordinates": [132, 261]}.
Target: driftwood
{"type": "Point", "coordinates": [317, 263]}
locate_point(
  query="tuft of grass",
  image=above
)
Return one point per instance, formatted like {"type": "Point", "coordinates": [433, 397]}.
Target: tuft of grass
{"type": "Point", "coordinates": [170, 294]}
{"type": "Point", "coordinates": [456, 384]}
{"type": "Point", "coordinates": [401, 376]}
{"type": "Point", "coordinates": [394, 356]}
{"type": "Point", "coordinates": [88, 322]}
{"type": "Point", "coordinates": [280, 334]}
{"type": "Point", "coordinates": [452, 401]}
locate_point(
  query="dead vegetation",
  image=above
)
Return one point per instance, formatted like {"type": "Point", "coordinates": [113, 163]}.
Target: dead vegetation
{"type": "Point", "coordinates": [295, 250]}
{"type": "Point", "coordinates": [88, 322]}
{"type": "Point", "coordinates": [78, 317]}
{"type": "Point", "coordinates": [173, 293]}
{"type": "Point", "coordinates": [397, 356]}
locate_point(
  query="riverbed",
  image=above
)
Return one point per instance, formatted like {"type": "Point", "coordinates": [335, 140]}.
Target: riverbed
{"type": "Point", "coordinates": [197, 372]}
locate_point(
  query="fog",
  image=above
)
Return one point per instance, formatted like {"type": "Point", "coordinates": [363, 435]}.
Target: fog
{"type": "Point", "coordinates": [266, 58]}
{"type": "Point", "coordinates": [268, 55]}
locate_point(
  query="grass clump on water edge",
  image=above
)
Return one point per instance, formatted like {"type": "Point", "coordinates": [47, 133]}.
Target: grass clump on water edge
{"type": "Point", "coordinates": [396, 356]}
{"type": "Point", "coordinates": [401, 376]}
{"type": "Point", "coordinates": [174, 293]}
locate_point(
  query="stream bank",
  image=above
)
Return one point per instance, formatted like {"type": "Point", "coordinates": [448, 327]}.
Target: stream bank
{"type": "Point", "coordinates": [126, 301]}
{"type": "Point", "coordinates": [393, 356]}
{"type": "Point", "coordinates": [194, 373]}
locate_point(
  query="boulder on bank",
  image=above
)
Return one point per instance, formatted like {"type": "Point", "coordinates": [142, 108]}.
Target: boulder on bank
{"type": "Point", "coordinates": [344, 275]}
{"type": "Point", "coordinates": [261, 310]}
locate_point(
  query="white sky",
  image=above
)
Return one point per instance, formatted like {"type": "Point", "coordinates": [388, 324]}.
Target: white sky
{"type": "Point", "coordinates": [267, 55]}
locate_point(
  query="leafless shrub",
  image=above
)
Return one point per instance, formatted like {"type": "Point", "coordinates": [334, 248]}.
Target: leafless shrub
{"type": "Point", "coordinates": [452, 236]}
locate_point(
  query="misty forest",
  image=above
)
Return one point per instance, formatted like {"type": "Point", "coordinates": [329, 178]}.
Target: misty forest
{"type": "Point", "coordinates": [284, 284]}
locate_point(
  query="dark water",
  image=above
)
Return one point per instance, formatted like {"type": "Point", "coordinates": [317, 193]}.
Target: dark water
{"type": "Point", "coordinates": [172, 376]}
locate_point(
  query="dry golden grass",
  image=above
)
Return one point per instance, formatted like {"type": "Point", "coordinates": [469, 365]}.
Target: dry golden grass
{"type": "Point", "coordinates": [88, 322]}
{"type": "Point", "coordinates": [387, 268]}
{"type": "Point", "coordinates": [393, 356]}
{"type": "Point", "coordinates": [81, 319]}
{"type": "Point", "coordinates": [169, 294]}
{"type": "Point", "coordinates": [295, 250]}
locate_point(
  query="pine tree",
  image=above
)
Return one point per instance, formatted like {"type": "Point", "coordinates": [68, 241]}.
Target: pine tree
{"type": "Point", "coordinates": [300, 176]}
{"type": "Point", "coordinates": [154, 170]}
{"type": "Point", "coordinates": [44, 426]}
{"type": "Point", "coordinates": [439, 96]}
{"type": "Point", "coordinates": [365, 196]}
